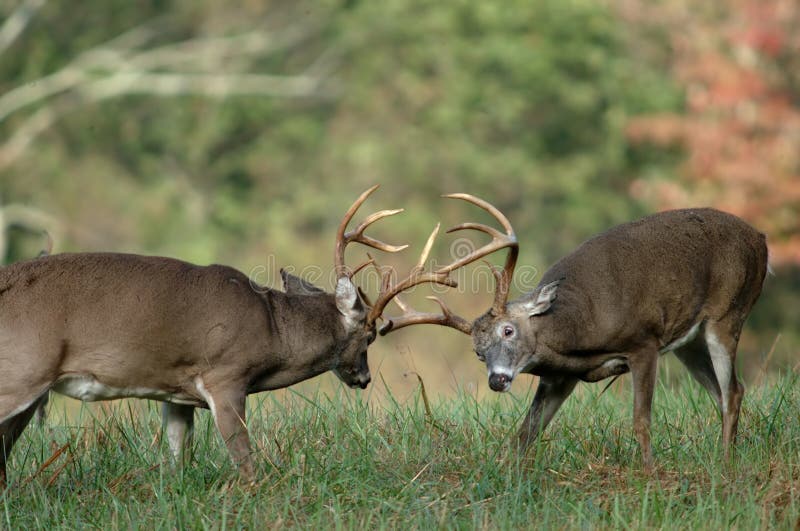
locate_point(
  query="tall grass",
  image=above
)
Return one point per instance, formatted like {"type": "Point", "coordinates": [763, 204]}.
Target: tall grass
{"type": "Point", "coordinates": [341, 462]}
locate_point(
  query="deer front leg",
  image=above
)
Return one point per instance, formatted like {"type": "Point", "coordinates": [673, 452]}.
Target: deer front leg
{"type": "Point", "coordinates": [178, 426]}
{"type": "Point", "coordinates": [228, 408]}
{"type": "Point", "coordinates": [644, 365]}
{"type": "Point", "coordinates": [550, 394]}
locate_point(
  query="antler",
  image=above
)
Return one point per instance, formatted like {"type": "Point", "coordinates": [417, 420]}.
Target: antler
{"type": "Point", "coordinates": [357, 235]}
{"type": "Point", "coordinates": [412, 317]}
{"type": "Point", "coordinates": [418, 275]}
{"type": "Point", "coordinates": [499, 241]}
{"type": "Point", "coordinates": [502, 277]}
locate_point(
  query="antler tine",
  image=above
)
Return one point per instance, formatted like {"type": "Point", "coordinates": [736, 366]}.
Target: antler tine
{"type": "Point", "coordinates": [427, 249]}
{"type": "Point", "coordinates": [491, 231]}
{"type": "Point", "coordinates": [361, 266]}
{"type": "Point", "coordinates": [441, 276]}
{"type": "Point", "coordinates": [417, 276]}
{"type": "Point", "coordinates": [412, 317]}
{"type": "Point", "coordinates": [488, 207]}
{"type": "Point", "coordinates": [499, 241]}
{"type": "Point", "coordinates": [357, 235]}
{"type": "Point", "coordinates": [372, 218]}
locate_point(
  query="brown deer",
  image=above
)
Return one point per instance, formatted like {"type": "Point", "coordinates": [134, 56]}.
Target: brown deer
{"type": "Point", "coordinates": [100, 326]}
{"type": "Point", "coordinates": [681, 281]}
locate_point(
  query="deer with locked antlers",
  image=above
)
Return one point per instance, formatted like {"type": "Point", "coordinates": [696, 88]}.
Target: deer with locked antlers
{"type": "Point", "coordinates": [100, 326]}
{"type": "Point", "coordinates": [681, 281]}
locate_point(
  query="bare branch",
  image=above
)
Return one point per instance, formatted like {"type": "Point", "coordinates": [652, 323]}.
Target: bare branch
{"type": "Point", "coordinates": [15, 25]}
{"type": "Point", "coordinates": [24, 216]}
{"type": "Point", "coordinates": [216, 85]}
{"type": "Point", "coordinates": [25, 134]}
{"type": "Point", "coordinates": [108, 55]}
{"type": "Point", "coordinates": [201, 66]}
{"type": "Point", "coordinates": [43, 88]}
{"type": "Point", "coordinates": [211, 52]}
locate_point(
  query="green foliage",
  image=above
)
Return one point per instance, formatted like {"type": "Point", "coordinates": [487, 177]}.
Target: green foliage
{"type": "Point", "coordinates": [341, 462]}
{"type": "Point", "coordinates": [524, 103]}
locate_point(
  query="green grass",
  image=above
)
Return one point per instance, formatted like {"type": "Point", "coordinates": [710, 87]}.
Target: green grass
{"type": "Point", "coordinates": [340, 462]}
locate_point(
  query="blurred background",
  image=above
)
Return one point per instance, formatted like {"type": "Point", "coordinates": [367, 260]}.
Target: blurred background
{"type": "Point", "coordinates": [239, 133]}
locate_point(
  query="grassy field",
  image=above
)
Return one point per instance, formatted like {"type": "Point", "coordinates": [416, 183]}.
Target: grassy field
{"type": "Point", "coordinates": [342, 462]}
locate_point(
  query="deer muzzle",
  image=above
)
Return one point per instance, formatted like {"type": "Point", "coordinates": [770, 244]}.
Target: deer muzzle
{"type": "Point", "coordinates": [500, 381]}
{"type": "Point", "coordinates": [363, 382]}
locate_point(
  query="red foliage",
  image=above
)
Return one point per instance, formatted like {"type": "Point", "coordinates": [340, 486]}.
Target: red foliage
{"type": "Point", "coordinates": [739, 63]}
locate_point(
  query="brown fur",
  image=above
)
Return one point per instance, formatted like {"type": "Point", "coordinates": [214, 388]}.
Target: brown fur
{"type": "Point", "coordinates": [623, 296]}
{"type": "Point", "coordinates": [140, 322]}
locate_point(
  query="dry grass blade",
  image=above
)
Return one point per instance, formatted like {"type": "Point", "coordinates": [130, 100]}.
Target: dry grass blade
{"type": "Point", "coordinates": [58, 471]}
{"type": "Point", "coordinates": [763, 372]}
{"type": "Point", "coordinates": [113, 484]}
{"type": "Point", "coordinates": [425, 401]}
{"type": "Point", "coordinates": [50, 460]}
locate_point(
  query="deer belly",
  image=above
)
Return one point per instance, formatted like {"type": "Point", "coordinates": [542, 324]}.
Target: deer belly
{"type": "Point", "coordinates": [89, 389]}
{"type": "Point", "coordinates": [681, 341]}
{"type": "Point", "coordinates": [610, 367]}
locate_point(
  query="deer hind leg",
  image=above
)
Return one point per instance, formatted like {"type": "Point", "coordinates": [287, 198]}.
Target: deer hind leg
{"type": "Point", "coordinates": [178, 425]}
{"type": "Point", "coordinates": [41, 411]}
{"type": "Point", "coordinates": [721, 342]}
{"type": "Point", "coordinates": [550, 394]}
{"type": "Point", "coordinates": [697, 359]}
{"type": "Point", "coordinates": [644, 368]}
{"type": "Point", "coordinates": [12, 424]}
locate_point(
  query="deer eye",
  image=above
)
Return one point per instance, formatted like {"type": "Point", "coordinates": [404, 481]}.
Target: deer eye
{"type": "Point", "coordinates": [508, 331]}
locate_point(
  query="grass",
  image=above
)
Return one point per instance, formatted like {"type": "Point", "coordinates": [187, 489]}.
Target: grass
{"type": "Point", "coordinates": [341, 462]}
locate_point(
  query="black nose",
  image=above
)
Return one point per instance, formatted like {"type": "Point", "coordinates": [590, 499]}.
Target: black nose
{"type": "Point", "coordinates": [498, 381]}
{"type": "Point", "coordinates": [365, 383]}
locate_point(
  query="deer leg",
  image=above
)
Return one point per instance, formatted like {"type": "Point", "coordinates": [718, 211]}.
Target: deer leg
{"type": "Point", "coordinates": [41, 411]}
{"type": "Point", "coordinates": [178, 425]}
{"type": "Point", "coordinates": [11, 428]}
{"type": "Point", "coordinates": [721, 346]}
{"type": "Point", "coordinates": [644, 365]}
{"type": "Point", "coordinates": [696, 358]}
{"type": "Point", "coordinates": [228, 409]}
{"type": "Point", "coordinates": [550, 394]}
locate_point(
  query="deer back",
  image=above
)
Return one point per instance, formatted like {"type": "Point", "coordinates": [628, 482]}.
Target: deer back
{"type": "Point", "coordinates": [655, 277]}
{"type": "Point", "coordinates": [151, 322]}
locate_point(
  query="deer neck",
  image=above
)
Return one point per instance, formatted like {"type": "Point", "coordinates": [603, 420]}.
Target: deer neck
{"type": "Point", "coordinates": [306, 335]}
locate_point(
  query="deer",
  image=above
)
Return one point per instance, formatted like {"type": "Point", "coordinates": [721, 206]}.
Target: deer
{"type": "Point", "coordinates": [680, 281]}
{"type": "Point", "coordinates": [102, 326]}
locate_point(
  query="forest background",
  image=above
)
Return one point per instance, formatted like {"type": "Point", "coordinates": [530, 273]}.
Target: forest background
{"type": "Point", "coordinates": [239, 133]}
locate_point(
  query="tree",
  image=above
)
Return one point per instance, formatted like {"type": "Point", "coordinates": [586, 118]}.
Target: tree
{"type": "Point", "coordinates": [138, 62]}
{"type": "Point", "coordinates": [739, 64]}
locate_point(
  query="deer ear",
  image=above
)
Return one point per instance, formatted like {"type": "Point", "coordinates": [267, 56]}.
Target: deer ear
{"type": "Point", "coordinates": [297, 286]}
{"type": "Point", "coordinates": [347, 301]}
{"type": "Point", "coordinates": [541, 299]}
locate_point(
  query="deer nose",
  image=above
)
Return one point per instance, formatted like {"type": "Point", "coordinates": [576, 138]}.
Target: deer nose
{"type": "Point", "coordinates": [499, 381]}
{"type": "Point", "coordinates": [363, 380]}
